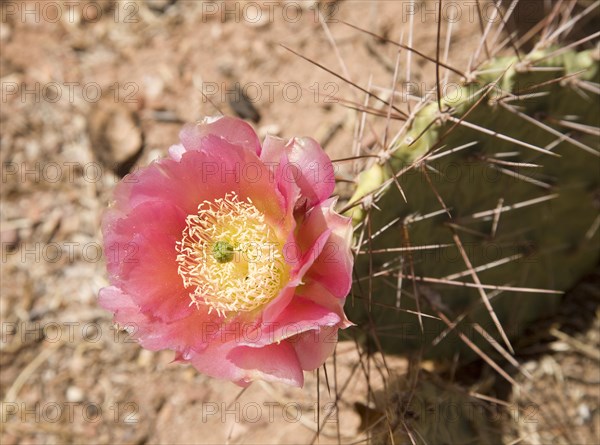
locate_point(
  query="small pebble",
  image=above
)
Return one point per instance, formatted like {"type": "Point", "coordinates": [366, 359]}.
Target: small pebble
{"type": "Point", "coordinates": [74, 394]}
{"type": "Point", "coordinates": [584, 412]}
{"type": "Point", "coordinates": [5, 31]}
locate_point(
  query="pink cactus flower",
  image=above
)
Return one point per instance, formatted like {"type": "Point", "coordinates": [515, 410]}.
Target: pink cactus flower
{"type": "Point", "coordinates": [231, 254]}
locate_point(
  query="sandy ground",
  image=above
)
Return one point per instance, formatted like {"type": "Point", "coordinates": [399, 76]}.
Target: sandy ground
{"type": "Point", "coordinates": [92, 90]}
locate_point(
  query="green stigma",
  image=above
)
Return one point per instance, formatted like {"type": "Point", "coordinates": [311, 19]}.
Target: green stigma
{"type": "Point", "coordinates": [223, 252]}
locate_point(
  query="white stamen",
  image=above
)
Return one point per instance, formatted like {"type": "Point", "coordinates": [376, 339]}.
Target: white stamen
{"type": "Point", "coordinates": [251, 278]}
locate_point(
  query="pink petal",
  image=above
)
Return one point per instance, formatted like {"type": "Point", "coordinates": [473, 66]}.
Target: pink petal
{"type": "Point", "coordinates": [323, 239]}
{"type": "Point", "coordinates": [243, 365]}
{"type": "Point", "coordinates": [312, 237]}
{"type": "Point", "coordinates": [317, 179]}
{"type": "Point", "coordinates": [315, 292]}
{"type": "Point", "coordinates": [200, 176]}
{"type": "Point", "coordinates": [272, 363]}
{"type": "Point", "coordinates": [176, 152]}
{"type": "Point", "coordinates": [333, 267]}
{"type": "Point", "coordinates": [232, 130]}
{"type": "Point", "coordinates": [299, 316]}
{"type": "Point", "coordinates": [313, 347]}
{"type": "Point", "coordinates": [308, 257]}
{"type": "Point", "coordinates": [309, 167]}
{"type": "Point", "coordinates": [125, 310]}
{"type": "Point", "coordinates": [142, 260]}
{"type": "Point", "coordinates": [190, 333]}
{"type": "Point", "coordinates": [276, 161]}
{"type": "Point", "coordinates": [278, 305]}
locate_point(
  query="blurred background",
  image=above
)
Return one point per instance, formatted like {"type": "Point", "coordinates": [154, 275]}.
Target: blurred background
{"type": "Point", "coordinates": [92, 90]}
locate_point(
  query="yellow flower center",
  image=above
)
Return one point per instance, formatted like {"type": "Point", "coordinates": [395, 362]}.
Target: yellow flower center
{"type": "Point", "coordinates": [230, 257]}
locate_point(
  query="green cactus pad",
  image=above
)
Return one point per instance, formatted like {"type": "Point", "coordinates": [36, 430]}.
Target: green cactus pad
{"type": "Point", "coordinates": [522, 200]}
